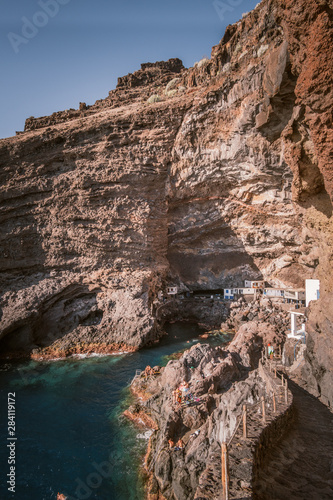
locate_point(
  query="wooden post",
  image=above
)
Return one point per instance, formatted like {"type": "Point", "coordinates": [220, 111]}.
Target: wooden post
{"type": "Point", "coordinates": [225, 471]}
{"type": "Point", "coordinates": [244, 422]}
{"type": "Point", "coordinates": [286, 393]}
{"type": "Point", "coordinates": [274, 403]}
{"type": "Point", "coordinates": [263, 408]}
{"type": "Point", "coordinates": [279, 351]}
{"type": "Point", "coordinates": [282, 380]}
{"type": "Point", "coordinates": [275, 372]}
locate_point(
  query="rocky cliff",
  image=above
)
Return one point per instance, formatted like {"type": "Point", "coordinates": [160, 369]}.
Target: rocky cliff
{"type": "Point", "coordinates": [201, 176]}
{"type": "Point", "coordinates": [183, 460]}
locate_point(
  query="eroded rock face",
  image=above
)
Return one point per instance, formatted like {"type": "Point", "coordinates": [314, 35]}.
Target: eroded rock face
{"type": "Point", "coordinates": [317, 371]}
{"type": "Point", "coordinates": [205, 176]}
{"type": "Point", "coordinates": [221, 381]}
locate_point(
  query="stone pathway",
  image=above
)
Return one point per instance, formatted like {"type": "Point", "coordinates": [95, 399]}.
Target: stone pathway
{"type": "Point", "coordinates": [300, 467]}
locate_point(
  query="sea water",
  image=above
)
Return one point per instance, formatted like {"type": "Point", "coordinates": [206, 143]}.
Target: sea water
{"type": "Point", "coordinates": [71, 435]}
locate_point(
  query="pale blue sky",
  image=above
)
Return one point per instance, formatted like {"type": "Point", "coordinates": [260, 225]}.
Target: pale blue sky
{"type": "Point", "coordinates": [74, 50]}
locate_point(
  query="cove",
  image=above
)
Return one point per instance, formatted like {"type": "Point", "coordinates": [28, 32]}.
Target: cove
{"type": "Point", "coordinates": [71, 436]}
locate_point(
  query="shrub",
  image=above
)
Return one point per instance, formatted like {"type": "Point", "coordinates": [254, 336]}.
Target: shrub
{"type": "Point", "coordinates": [171, 93]}
{"type": "Point", "coordinates": [172, 84]}
{"type": "Point", "coordinates": [203, 62]}
{"type": "Point", "coordinates": [153, 98]}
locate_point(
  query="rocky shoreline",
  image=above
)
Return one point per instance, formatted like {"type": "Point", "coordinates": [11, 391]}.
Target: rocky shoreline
{"type": "Point", "coordinates": [186, 435]}
{"type": "Point", "coordinates": [86, 349]}
{"type": "Point", "coordinates": [201, 177]}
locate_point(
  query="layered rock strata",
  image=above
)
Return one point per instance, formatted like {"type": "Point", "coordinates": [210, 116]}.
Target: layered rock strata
{"type": "Point", "coordinates": [203, 177]}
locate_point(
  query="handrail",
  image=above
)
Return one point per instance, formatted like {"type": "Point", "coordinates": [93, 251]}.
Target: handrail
{"type": "Point", "coordinates": [295, 348]}
{"type": "Point", "coordinates": [236, 429]}
{"type": "Point", "coordinates": [303, 339]}
{"type": "Point", "coordinates": [272, 395]}
{"type": "Point", "coordinates": [137, 374]}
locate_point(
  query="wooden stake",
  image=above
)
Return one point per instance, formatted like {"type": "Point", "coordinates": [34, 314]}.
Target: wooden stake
{"type": "Point", "coordinates": [282, 380]}
{"type": "Point", "coordinates": [286, 393]}
{"type": "Point", "coordinates": [275, 372]}
{"type": "Point", "coordinates": [274, 402]}
{"type": "Point", "coordinates": [263, 408]}
{"type": "Point", "coordinates": [225, 471]}
{"type": "Point", "coordinates": [244, 422]}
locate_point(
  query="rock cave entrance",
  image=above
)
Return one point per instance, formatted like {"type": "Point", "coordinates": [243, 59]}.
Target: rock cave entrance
{"type": "Point", "coordinates": [66, 316]}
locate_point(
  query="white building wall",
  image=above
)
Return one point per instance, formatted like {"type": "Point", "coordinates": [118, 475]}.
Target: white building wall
{"type": "Point", "coordinates": [311, 290]}
{"type": "Point", "coordinates": [294, 294]}
{"type": "Point", "coordinates": [273, 292]}
{"type": "Point", "coordinates": [246, 291]}
{"type": "Point", "coordinates": [254, 284]}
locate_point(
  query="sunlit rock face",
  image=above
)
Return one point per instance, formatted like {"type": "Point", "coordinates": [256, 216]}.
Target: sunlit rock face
{"type": "Point", "coordinates": [202, 176]}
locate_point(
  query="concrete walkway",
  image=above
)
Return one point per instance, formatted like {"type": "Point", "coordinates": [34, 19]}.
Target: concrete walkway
{"type": "Point", "coordinates": [301, 466]}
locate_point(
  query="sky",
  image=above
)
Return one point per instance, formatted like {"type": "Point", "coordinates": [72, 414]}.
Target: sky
{"type": "Point", "coordinates": [57, 53]}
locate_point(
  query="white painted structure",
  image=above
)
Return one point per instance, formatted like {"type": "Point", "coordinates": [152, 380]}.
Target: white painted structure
{"type": "Point", "coordinates": [229, 293]}
{"type": "Point", "coordinates": [311, 290]}
{"type": "Point", "coordinates": [297, 295]}
{"type": "Point", "coordinates": [254, 284]}
{"type": "Point", "coordinates": [297, 329]}
{"type": "Point", "coordinates": [274, 292]}
{"type": "Point", "coordinates": [172, 290]}
{"type": "Point", "coordinates": [245, 291]}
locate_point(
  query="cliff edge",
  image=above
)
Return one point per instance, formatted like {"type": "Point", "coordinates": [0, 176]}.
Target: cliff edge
{"type": "Point", "coordinates": [201, 176]}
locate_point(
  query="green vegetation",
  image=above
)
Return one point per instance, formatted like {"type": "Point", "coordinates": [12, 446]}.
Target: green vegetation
{"type": "Point", "coordinates": [154, 98]}
{"type": "Point", "coordinates": [172, 84]}
{"type": "Point", "coordinates": [203, 62]}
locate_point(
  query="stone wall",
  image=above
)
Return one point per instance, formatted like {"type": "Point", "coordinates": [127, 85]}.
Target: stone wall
{"type": "Point", "coordinates": [248, 456]}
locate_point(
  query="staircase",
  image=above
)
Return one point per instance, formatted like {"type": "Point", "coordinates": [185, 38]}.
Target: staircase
{"type": "Point", "coordinates": [300, 467]}
{"type": "Point", "coordinates": [299, 361]}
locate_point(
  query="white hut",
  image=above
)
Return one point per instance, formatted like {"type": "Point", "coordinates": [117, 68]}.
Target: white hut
{"type": "Point", "coordinates": [254, 284]}
{"type": "Point", "coordinates": [297, 329]}
{"type": "Point", "coordinates": [229, 293]}
{"type": "Point", "coordinates": [274, 292]}
{"type": "Point", "coordinates": [245, 291]}
{"type": "Point", "coordinates": [297, 295]}
{"type": "Point", "coordinates": [312, 292]}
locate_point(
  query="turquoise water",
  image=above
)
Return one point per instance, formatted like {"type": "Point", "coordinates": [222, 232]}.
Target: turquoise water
{"type": "Point", "coordinates": [71, 436]}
